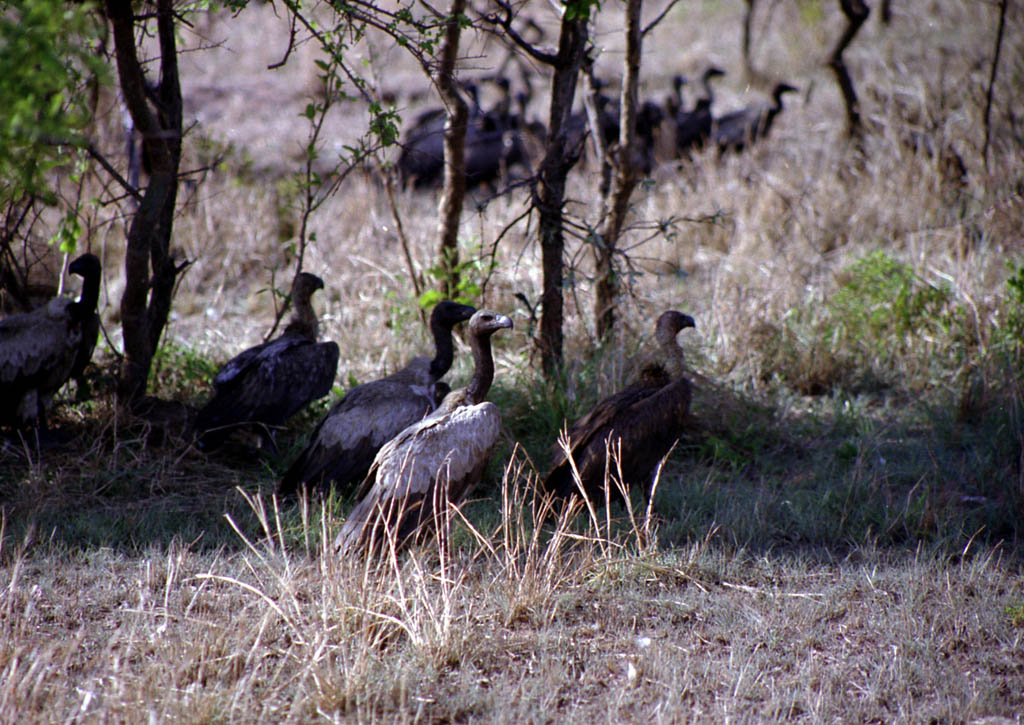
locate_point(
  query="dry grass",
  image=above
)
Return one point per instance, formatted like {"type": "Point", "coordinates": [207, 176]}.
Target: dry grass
{"type": "Point", "coordinates": [839, 534]}
{"type": "Point", "coordinates": [520, 626]}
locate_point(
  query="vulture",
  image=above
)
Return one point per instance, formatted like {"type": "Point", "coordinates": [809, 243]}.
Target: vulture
{"type": "Point", "coordinates": [39, 350]}
{"type": "Point", "coordinates": [649, 117]}
{"type": "Point", "coordinates": [645, 419]}
{"type": "Point", "coordinates": [737, 129]}
{"type": "Point", "coordinates": [90, 267]}
{"type": "Point", "coordinates": [267, 384]}
{"type": "Point", "coordinates": [342, 446]}
{"type": "Point", "coordinates": [432, 462]}
{"type": "Point", "coordinates": [493, 141]}
{"type": "Point", "coordinates": [693, 127]}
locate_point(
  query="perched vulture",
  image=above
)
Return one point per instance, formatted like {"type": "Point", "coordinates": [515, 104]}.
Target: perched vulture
{"type": "Point", "coordinates": [267, 384]}
{"type": "Point", "coordinates": [432, 462]}
{"type": "Point", "coordinates": [645, 419]}
{"type": "Point", "coordinates": [343, 444]}
{"type": "Point", "coordinates": [39, 349]}
{"type": "Point", "coordinates": [737, 129]}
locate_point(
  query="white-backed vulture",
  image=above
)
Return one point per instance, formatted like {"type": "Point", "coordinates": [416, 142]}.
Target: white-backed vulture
{"type": "Point", "coordinates": [342, 446]}
{"type": "Point", "coordinates": [265, 385]}
{"type": "Point", "coordinates": [644, 419]}
{"type": "Point", "coordinates": [38, 349]}
{"type": "Point", "coordinates": [734, 131]}
{"type": "Point", "coordinates": [431, 463]}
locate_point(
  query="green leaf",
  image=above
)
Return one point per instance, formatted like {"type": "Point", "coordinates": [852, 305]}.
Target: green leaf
{"type": "Point", "coordinates": [429, 298]}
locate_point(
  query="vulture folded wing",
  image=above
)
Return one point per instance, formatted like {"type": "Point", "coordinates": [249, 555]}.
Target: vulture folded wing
{"type": "Point", "coordinates": [433, 462]}
{"type": "Point", "coordinates": [343, 445]}
{"type": "Point", "coordinates": [37, 341]}
{"type": "Point", "coordinates": [590, 431]}
{"type": "Point", "coordinates": [271, 385]}
{"type": "Point", "coordinates": [245, 360]}
{"type": "Point", "coordinates": [37, 350]}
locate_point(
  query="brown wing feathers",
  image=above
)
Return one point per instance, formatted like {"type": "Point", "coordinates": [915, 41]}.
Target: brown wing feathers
{"type": "Point", "coordinates": [265, 385]}
{"type": "Point", "coordinates": [641, 422]}
{"type": "Point", "coordinates": [39, 350]}
{"type": "Point", "coordinates": [344, 443]}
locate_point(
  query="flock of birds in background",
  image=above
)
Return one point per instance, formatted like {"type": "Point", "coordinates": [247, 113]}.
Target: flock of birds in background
{"type": "Point", "coordinates": [407, 444]}
{"type": "Point", "coordinates": [500, 138]}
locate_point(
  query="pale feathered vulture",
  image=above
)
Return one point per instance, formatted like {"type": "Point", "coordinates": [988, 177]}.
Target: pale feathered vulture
{"type": "Point", "coordinates": [267, 384]}
{"type": "Point", "coordinates": [645, 419]}
{"type": "Point", "coordinates": [735, 130]}
{"type": "Point", "coordinates": [342, 446]}
{"type": "Point", "coordinates": [39, 349]}
{"type": "Point", "coordinates": [433, 462]}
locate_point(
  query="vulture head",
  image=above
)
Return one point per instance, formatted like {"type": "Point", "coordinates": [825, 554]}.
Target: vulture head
{"type": "Point", "coordinates": [669, 324]}
{"type": "Point", "coordinates": [88, 268]}
{"type": "Point", "coordinates": [446, 315]}
{"type": "Point", "coordinates": [304, 321]}
{"type": "Point", "coordinates": [711, 72]}
{"type": "Point", "coordinates": [780, 89]}
{"type": "Point", "coordinates": [304, 286]}
{"type": "Point", "coordinates": [485, 323]}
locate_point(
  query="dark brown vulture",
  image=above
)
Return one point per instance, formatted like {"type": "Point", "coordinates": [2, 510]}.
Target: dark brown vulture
{"type": "Point", "coordinates": [433, 462]}
{"type": "Point", "coordinates": [734, 131]}
{"type": "Point", "coordinates": [342, 446]}
{"type": "Point", "coordinates": [645, 419]}
{"type": "Point", "coordinates": [267, 384]}
{"type": "Point", "coordinates": [693, 127]}
{"type": "Point", "coordinates": [39, 349]}
{"type": "Point", "coordinates": [89, 266]}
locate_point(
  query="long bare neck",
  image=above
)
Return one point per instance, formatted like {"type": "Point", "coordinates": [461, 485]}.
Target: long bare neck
{"type": "Point", "coordinates": [483, 369]}
{"type": "Point", "coordinates": [777, 96]}
{"type": "Point", "coordinates": [444, 349]}
{"type": "Point", "coordinates": [672, 351]}
{"type": "Point", "coordinates": [303, 321]}
{"type": "Point", "coordinates": [90, 297]}
{"type": "Point", "coordinates": [708, 93]}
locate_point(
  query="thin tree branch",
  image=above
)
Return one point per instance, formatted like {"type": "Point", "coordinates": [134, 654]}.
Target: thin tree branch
{"type": "Point", "coordinates": [292, 32]}
{"type": "Point", "coordinates": [547, 58]}
{"type": "Point", "coordinates": [992, 82]}
{"type": "Point", "coordinates": [657, 20]}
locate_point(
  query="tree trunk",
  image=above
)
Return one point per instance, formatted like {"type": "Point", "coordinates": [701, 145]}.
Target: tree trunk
{"type": "Point", "coordinates": [150, 272]}
{"type": "Point", "coordinates": [626, 162]}
{"type": "Point", "coordinates": [748, 19]}
{"type": "Point", "coordinates": [550, 194]}
{"type": "Point", "coordinates": [856, 12]}
{"type": "Point", "coordinates": [454, 192]}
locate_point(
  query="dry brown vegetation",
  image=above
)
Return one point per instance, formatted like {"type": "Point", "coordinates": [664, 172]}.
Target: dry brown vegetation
{"type": "Point", "coordinates": [839, 535]}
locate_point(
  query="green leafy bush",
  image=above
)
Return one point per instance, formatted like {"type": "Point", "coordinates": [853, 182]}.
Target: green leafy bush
{"type": "Point", "coordinates": [45, 54]}
{"type": "Point", "coordinates": [1011, 337]}
{"type": "Point", "coordinates": [881, 305]}
{"type": "Point", "coordinates": [884, 325]}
